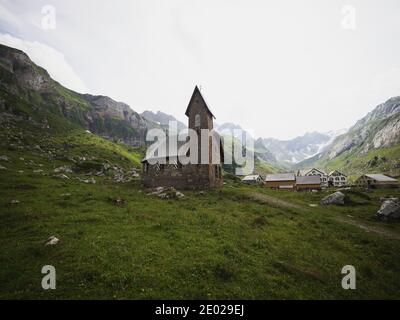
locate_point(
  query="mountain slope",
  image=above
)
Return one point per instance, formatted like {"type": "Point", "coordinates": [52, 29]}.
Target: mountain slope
{"type": "Point", "coordinates": [99, 114]}
{"type": "Point", "coordinates": [292, 151]}
{"type": "Point", "coordinates": [371, 145]}
{"type": "Point", "coordinates": [264, 161]}
{"type": "Point", "coordinates": [162, 119]}
{"type": "Point", "coordinates": [285, 153]}
{"type": "Point", "coordinates": [44, 126]}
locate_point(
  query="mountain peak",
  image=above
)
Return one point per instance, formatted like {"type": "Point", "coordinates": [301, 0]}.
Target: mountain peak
{"type": "Point", "coordinates": [161, 118]}
{"type": "Point", "coordinates": [100, 114]}
{"type": "Point", "coordinates": [379, 129]}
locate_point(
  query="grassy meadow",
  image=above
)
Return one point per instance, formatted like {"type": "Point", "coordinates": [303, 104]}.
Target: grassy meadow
{"type": "Point", "coordinates": [229, 243]}
{"type": "Point", "coordinates": [118, 242]}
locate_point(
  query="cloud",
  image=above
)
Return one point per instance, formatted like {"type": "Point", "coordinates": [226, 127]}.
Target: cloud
{"type": "Point", "coordinates": [48, 58]}
{"type": "Point", "coordinates": [9, 18]}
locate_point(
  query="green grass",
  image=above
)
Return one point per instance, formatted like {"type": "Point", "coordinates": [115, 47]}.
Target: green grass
{"type": "Point", "coordinates": [71, 96]}
{"type": "Point", "coordinates": [355, 163]}
{"type": "Point", "coordinates": [234, 242]}
{"type": "Point", "coordinates": [263, 167]}
{"type": "Point", "coordinates": [229, 243]}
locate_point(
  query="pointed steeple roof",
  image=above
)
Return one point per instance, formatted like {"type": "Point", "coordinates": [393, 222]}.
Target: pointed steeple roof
{"type": "Point", "coordinates": [197, 90]}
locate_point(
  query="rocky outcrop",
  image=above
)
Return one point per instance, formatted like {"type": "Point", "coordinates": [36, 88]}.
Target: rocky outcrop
{"type": "Point", "coordinates": [387, 135]}
{"type": "Point", "coordinates": [167, 193]}
{"type": "Point", "coordinates": [99, 114]}
{"type": "Point", "coordinates": [335, 198]}
{"type": "Point", "coordinates": [297, 149]}
{"type": "Point", "coordinates": [162, 119]}
{"type": "Point", "coordinates": [379, 128]}
{"type": "Point", "coordinates": [115, 120]}
{"type": "Point", "coordinates": [390, 209]}
{"type": "Point", "coordinates": [18, 71]}
{"type": "Point", "coordinates": [52, 241]}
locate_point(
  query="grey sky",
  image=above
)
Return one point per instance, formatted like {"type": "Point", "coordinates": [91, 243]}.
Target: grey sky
{"type": "Point", "coordinates": [280, 68]}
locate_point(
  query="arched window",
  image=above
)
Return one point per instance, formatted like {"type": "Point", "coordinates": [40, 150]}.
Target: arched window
{"type": "Point", "coordinates": [197, 120]}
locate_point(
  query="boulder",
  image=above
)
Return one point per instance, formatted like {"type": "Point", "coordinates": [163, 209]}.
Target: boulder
{"type": "Point", "coordinates": [65, 195]}
{"type": "Point", "coordinates": [334, 198]}
{"type": "Point", "coordinates": [179, 194]}
{"type": "Point", "coordinates": [390, 210]}
{"type": "Point", "coordinates": [158, 190]}
{"type": "Point", "coordinates": [2, 168]}
{"type": "Point", "coordinates": [4, 158]}
{"type": "Point", "coordinates": [90, 180]}
{"type": "Point", "coordinates": [167, 193]}
{"type": "Point", "coordinates": [63, 169]}
{"type": "Point", "coordinates": [52, 241]}
{"type": "Point", "coordinates": [118, 201]}
{"type": "Point", "coordinates": [120, 176]}
{"type": "Point", "coordinates": [61, 176]}
{"type": "Point", "coordinates": [383, 199]}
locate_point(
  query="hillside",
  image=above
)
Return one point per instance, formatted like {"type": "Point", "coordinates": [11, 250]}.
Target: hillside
{"type": "Point", "coordinates": [371, 145]}
{"type": "Point", "coordinates": [264, 162]}
{"type": "Point", "coordinates": [289, 152]}
{"type": "Point", "coordinates": [100, 114]}
{"type": "Point", "coordinates": [44, 130]}
{"type": "Point", "coordinates": [31, 135]}
{"type": "Point", "coordinates": [162, 119]}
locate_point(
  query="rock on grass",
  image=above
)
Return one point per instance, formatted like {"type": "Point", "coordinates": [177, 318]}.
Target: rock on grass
{"type": "Point", "coordinates": [52, 241]}
{"type": "Point", "coordinates": [390, 210]}
{"type": "Point", "coordinates": [334, 198]}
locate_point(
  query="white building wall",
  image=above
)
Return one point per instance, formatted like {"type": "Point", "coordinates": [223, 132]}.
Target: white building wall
{"type": "Point", "coordinates": [324, 177]}
{"type": "Point", "coordinates": [338, 179]}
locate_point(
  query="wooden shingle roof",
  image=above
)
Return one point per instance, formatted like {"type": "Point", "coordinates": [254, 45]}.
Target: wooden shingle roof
{"type": "Point", "coordinates": [308, 180]}
{"type": "Point", "coordinates": [381, 177]}
{"type": "Point", "coordinates": [280, 177]}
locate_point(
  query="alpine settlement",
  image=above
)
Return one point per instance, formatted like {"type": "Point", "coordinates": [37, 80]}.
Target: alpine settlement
{"type": "Point", "coordinates": [316, 179]}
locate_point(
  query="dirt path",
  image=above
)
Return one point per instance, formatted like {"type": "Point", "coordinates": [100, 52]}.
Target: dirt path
{"type": "Point", "coordinates": [381, 231]}
{"type": "Point", "coordinates": [273, 201]}
{"type": "Point", "coordinates": [276, 202]}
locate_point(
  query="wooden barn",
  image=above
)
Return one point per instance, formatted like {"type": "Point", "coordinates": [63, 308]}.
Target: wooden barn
{"type": "Point", "coordinates": [315, 172]}
{"type": "Point", "coordinates": [376, 181]}
{"type": "Point", "coordinates": [280, 181]}
{"type": "Point", "coordinates": [308, 183]}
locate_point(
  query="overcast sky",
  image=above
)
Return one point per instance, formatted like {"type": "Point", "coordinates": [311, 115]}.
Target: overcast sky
{"type": "Point", "coordinates": [279, 68]}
